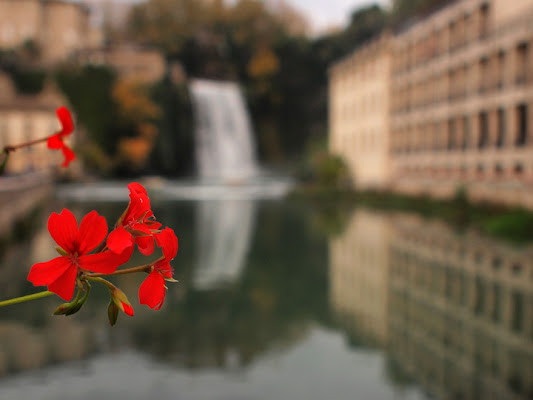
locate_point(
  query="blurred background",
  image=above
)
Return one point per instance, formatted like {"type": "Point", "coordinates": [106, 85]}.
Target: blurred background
{"type": "Point", "coordinates": [351, 184]}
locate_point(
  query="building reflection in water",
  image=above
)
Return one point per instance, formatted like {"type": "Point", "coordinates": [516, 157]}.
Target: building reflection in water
{"type": "Point", "coordinates": [359, 276]}
{"type": "Point", "coordinates": [453, 312]}
{"type": "Point", "coordinates": [224, 232]}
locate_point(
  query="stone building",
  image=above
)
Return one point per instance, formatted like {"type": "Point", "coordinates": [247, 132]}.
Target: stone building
{"type": "Point", "coordinates": [359, 112]}
{"type": "Point", "coordinates": [26, 118]}
{"type": "Point", "coordinates": [461, 108]}
{"type": "Point", "coordinates": [57, 27]}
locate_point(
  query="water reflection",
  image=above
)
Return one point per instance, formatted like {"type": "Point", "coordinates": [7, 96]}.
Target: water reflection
{"type": "Point", "coordinates": [454, 312]}
{"type": "Point", "coordinates": [268, 308]}
{"type": "Point", "coordinates": [225, 229]}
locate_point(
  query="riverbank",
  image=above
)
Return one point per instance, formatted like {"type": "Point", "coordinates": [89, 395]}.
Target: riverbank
{"type": "Point", "coordinates": [508, 223]}
{"type": "Point", "coordinates": [19, 197]}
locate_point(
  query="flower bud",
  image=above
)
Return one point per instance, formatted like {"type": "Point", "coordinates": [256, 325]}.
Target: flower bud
{"type": "Point", "coordinates": [112, 313]}
{"type": "Point", "coordinates": [63, 309]}
{"type": "Point", "coordinates": [121, 301]}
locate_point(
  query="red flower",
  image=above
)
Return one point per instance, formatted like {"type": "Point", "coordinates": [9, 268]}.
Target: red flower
{"type": "Point", "coordinates": [153, 290]}
{"type": "Point", "coordinates": [56, 141]}
{"type": "Point", "coordinates": [60, 274]}
{"type": "Point", "coordinates": [137, 224]}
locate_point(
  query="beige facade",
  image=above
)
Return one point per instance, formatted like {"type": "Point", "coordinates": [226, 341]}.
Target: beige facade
{"type": "Point", "coordinates": [26, 118]}
{"type": "Point", "coordinates": [58, 27]}
{"type": "Point", "coordinates": [463, 102]}
{"type": "Point", "coordinates": [461, 110]}
{"type": "Point", "coordinates": [359, 112]}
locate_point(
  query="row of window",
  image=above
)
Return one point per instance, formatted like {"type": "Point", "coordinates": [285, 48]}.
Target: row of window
{"type": "Point", "coordinates": [489, 73]}
{"type": "Point", "coordinates": [493, 171]}
{"type": "Point", "coordinates": [457, 133]}
{"type": "Point", "coordinates": [353, 108]}
{"type": "Point", "coordinates": [468, 27]}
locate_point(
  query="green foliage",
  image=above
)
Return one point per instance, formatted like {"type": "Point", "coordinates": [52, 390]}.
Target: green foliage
{"type": "Point", "coordinates": [28, 81]}
{"type": "Point", "coordinates": [20, 64]}
{"type": "Point", "coordinates": [402, 10]}
{"type": "Point", "coordinates": [516, 225]}
{"type": "Point", "coordinates": [173, 152]}
{"type": "Point", "coordinates": [89, 90]}
{"type": "Point", "coordinates": [330, 170]}
{"type": "Point", "coordinates": [322, 168]}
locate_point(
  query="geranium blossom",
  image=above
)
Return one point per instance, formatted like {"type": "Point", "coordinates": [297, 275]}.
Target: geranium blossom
{"type": "Point", "coordinates": [153, 290]}
{"type": "Point", "coordinates": [60, 273]}
{"type": "Point", "coordinates": [56, 141]}
{"type": "Point", "coordinates": [137, 224]}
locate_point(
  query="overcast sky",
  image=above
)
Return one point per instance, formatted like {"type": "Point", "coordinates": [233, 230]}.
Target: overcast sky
{"type": "Point", "coordinates": [321, 13]}
{"type": "Point", "coordinates": [325, 13]}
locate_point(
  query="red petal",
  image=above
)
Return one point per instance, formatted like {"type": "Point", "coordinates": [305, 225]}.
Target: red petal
{"type": "Point", "coordinates": [153, 225]}
{"type": "Point", "coordinates": [68, 155]}
{"type": "Point", "coordinates": [139, 203]}
{"type": "Point", "coordinates": [169, 242]}
{"type": "Point", "coordinates": [164, 268]}
{"type": "Point", "coordinates": [140, 229]}
{"type": "Point", "coordinates": [65, 284]}
{"type": "Point", "coordinates": [119, 240]}
{"type": "Point", "coordinates": [64, 230]}
{"type": "Point", "coordinates": [66, 121]}
{"type": "Point", "coordinates": [47, 272]}
{"type": "Point", "coordinates": [54, 142]}
{"type": "Point", "coordinates": [128, 309]}
{"type": "Point", "coordinates": [137, 188]}
{"type": "Point", "coordinates": [92, 231]}
{"type": "Point", "coordinates": [152, 291]}
{"type": "Point", "coordinates": [106, 262]}
{"type": "Point", "coordinates": [145, 244]}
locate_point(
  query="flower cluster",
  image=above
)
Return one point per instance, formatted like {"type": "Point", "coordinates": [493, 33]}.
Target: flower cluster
{"type": "Point", "coordinates": [54, 141]}
{"type": "Point", "coordinates": [87, 253]}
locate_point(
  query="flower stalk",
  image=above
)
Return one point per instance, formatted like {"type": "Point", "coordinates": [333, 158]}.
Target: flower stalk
{"type": "Point", "coordinates": [28, 297]}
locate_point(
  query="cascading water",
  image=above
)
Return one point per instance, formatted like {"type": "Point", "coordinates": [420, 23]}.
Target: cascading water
{"type": "Point", "coordinates": [223, 137]}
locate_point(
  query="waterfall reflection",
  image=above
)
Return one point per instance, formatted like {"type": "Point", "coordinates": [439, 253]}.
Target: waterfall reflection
{"type": "Point", "coordinates": [225, 229]}
{"type": "Point", "coordinates": [454, 312]}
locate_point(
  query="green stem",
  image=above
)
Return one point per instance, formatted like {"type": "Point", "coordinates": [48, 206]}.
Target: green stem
{"type": "Point", "coordinates": [142, 268]}
{"type": "Point", "coordinates": [29, 297]}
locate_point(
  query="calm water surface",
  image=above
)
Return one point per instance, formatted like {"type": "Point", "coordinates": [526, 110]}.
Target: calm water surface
{"type": "Point", "coordinates": [282, 300]}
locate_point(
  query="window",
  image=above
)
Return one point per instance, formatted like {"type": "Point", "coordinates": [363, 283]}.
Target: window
{"type": "Point", "coordinates": [466, 132]}
{"type": "Point", "coordinates": [484, 74]}
{"type": "Point", "coordinates": [522, 63]}
{"type": "Point", "coordinates": [521, 119]}
{"type": "Point", "coordinates": [501, 69]}
{"type": "Point", "coordinates": [500, 139]}
{"type": "Point", "coordinates": [451, 134]}
{"type": "Point", "coordinates": [483, 21]}
{"type": "Point", "coordinates": [483, 129]}
{"type": "Point", "coordinates": [435, 136]}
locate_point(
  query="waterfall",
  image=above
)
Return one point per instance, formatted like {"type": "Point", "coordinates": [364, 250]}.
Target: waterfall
{"type": "Point", "coordinates": [223, 136]}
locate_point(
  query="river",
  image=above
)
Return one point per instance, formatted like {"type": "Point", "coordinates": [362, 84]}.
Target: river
{"type": "Point", "coordinates": [281, 299]}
